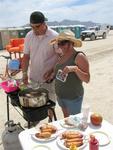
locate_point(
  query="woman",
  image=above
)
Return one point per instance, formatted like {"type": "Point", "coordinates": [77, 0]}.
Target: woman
{"type": "Point", "coordinates": [73, 65]}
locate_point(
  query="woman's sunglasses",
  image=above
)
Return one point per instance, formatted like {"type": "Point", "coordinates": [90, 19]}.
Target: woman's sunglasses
{"type": "Point", "coordinates": [63, 42]}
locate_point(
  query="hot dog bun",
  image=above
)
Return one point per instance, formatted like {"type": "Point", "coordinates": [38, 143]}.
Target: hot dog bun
{"type": "Point", "coordinates": [71, 134]}
{"type": "Point", "coordinates": [46, 130]}
{"type": "Point", "coordinates": [74, 140]}
{"type": "Point", "coordinates": [43, 135]}
{"type": "Point", "coordinates": [48, 127]}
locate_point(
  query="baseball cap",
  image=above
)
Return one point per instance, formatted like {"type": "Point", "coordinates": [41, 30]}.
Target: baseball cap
{"type": "Point", "coordinates": [37, 17]}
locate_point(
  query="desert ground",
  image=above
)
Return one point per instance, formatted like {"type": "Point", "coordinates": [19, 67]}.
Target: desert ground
{"type": "Point", "coordinates": [98, 92]}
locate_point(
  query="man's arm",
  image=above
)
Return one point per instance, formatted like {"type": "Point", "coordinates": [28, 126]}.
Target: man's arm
{"type": "Point", "coordinates": [25, 65]}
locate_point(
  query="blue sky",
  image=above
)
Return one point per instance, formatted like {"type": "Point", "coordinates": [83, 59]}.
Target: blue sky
{"type": "Point", "coordinates": [17, 12]}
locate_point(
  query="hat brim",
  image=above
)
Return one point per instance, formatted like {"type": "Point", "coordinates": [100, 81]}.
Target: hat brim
{"type": "Point", "coordinates": [77, 42]}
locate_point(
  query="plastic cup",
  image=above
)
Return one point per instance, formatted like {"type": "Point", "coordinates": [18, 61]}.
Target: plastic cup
{"type": "Point", "coordinates": [85, 112]}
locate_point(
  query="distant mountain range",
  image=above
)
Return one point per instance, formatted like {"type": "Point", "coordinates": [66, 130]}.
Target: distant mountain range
{"type": "Point", "coordinates": [70, 22]}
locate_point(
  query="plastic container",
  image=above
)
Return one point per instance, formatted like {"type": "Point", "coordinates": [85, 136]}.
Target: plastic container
{"type": "Point", "coordinates": [14, 64]}
{"type": "Point", "coordinates": [93, 143]}
{"type": "Point", "coordinates": [9, 85]}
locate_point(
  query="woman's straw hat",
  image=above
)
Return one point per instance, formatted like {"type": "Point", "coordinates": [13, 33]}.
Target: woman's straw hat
{"type": "Point", "coordinates": [67, 35]}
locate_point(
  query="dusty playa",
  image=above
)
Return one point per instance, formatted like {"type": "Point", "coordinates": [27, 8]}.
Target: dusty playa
{"type": "Point", "coordinates": [98, 93]}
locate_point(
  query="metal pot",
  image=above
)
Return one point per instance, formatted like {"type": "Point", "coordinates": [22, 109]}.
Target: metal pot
{"type": "Point", "coordinates": [33, 97]}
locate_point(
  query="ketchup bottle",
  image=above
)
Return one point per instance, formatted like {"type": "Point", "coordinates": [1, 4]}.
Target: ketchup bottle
{"type": "Point", "coordinates": [93, 143]}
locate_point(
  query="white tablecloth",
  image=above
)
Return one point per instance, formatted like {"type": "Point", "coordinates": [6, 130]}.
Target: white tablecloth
{"type": "Point", "coordinates": [28, 142]}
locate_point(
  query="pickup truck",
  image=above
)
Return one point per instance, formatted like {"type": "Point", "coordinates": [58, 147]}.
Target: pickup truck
{"type": "Point", "coordinates": [93, 33]}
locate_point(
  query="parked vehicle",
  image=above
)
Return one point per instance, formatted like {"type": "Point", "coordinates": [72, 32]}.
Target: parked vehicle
{"type": "Point", "coordinates": [93, 33]}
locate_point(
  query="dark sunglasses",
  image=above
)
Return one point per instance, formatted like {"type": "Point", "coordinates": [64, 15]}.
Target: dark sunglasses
{"type": "Point", "coordinates": [63, 42]}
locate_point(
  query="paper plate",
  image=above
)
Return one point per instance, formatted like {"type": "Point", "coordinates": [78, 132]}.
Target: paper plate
{"type": "Point", "coordinates": [74, 122]}
{"type": "Point", "coordinates": [53, 136]}
{"type": "Point", "coordinates": [41, 147]}
{"type": "Point", "coordinates": [38, 130]}
{"type": "Point", "coordinates": [102, 137]}
{"type": "Point", "coordinates": [64, 125]}
{"type": "Point", "coordinates": [60, 142]}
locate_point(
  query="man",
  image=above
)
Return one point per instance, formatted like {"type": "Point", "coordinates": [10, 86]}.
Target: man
{"type": "Point", "coordinates": [39, 55]}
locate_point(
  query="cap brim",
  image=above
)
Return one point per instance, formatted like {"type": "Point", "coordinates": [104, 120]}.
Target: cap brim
{"type": "Point", "coordinates": [46, 19]}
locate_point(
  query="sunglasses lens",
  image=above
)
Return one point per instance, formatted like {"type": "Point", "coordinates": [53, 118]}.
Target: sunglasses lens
{"type": "Point", "coordinates": [36, 26]}
{"type": "Point", "coordinates": [62, 43]}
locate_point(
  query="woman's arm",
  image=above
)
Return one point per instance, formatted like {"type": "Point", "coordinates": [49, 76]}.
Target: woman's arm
{"type": "Point", "coordinates": [81, 68]}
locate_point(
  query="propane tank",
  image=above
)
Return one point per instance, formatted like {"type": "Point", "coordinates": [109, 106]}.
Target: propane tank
{"type": "Point", "coordinates": [10, 136]}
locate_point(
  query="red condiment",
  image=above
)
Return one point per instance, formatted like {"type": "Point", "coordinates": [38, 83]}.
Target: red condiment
{"type": "Point", "coordinates": [93, 143]}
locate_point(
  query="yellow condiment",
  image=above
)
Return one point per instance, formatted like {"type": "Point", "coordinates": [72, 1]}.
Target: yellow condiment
{"type": "Point", "coordinates": [73, 147]}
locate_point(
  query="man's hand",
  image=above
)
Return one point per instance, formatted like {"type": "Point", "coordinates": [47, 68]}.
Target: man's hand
{"type": "Point", "coordinates": [49, 76]}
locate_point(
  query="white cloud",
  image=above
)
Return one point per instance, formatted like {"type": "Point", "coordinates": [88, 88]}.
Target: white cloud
{"type": "Point", "coordinates": [16, 13]}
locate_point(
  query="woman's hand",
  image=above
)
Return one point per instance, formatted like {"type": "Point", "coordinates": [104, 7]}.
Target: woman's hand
{"type": "Point", "coordinates": [69, 69]}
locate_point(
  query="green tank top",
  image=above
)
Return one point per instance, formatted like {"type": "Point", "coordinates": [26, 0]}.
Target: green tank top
{"type": "Point", "coordinates": [73, 87]}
